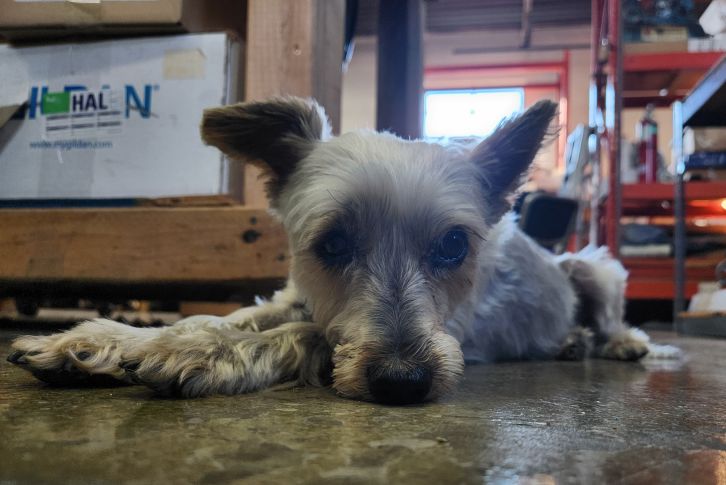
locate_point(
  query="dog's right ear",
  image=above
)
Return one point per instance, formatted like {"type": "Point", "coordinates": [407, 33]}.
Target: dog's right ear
{"type": "Point", "coordinates": [273, 135]}
{"type": "Point", "coordinates": [504, 157]}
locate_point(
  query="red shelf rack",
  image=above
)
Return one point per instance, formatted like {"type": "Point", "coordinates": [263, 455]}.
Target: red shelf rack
{"type": "Point", "coordinates": [694, 191]}
{"type": "Point", "coordinates": [628, 80]}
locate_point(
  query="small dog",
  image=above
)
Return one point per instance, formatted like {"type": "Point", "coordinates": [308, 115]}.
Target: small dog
{"type": "Point", "coordinates": [405, 264]}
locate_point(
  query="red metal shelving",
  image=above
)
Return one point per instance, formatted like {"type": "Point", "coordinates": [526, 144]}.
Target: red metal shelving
{"type": "Point", "coordinates": [627, 81]}
{"type": "Point", "coordinates": [662, 78]}
{"type": "Point", "coordinates": [694, 191]}
{"type": "Point", "coordinates": [652, 278]}
{"type": "Point", "coordinates": [671, 61]}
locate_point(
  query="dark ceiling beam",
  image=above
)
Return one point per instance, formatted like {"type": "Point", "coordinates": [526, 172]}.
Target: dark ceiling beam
{"type": "Point", "coordinates": [400, 67]}
{"type": "Point", "coordinates": [467, 15]}
{"type": "Point", "coordinates": [526, 31]}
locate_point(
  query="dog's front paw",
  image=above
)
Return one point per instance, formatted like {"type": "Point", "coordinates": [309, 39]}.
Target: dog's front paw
{"type": "Point", "coordinates": [151, 371]}
{"type": "Point", "coordinates": [630, 345]}
{"type": "Point", "coordinates": [40, 351]}
{"type": "Point", "coordinates": [87, 355]}
{"type": "Point", "coordinates": [578, 344]}
{"type": "Point", "coordinates": [181, 367]}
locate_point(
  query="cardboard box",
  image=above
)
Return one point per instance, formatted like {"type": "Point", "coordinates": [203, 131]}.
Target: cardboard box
{"type": "Point", "coordinates": [664, 33]}
{"type": "Point", "coordinates": [704, 140]}
{"type": "Point", "coordinates": [50, 18]}
{"type": "Point", "coordinates": [658, 39]}
{"type": "Point", "coordinates": [655, 47]}
{"type": "Point", "coordinates": [117, 118]}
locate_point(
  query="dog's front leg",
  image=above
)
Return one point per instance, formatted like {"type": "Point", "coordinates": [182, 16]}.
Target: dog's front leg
{"type": "Point", "coordinates": [199, 355]}
{"type": "Point", "coordinates": [212, 360]}
{"type": "Point", "coordinates": [285, 306]}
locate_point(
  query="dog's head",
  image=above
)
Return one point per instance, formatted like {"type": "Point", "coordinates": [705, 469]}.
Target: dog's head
{"type": "Point", "coordinates": [387, 235]}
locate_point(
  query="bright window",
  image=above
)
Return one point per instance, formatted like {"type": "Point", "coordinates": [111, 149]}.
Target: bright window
{"type": "Point", "coordinates": [470, 112]}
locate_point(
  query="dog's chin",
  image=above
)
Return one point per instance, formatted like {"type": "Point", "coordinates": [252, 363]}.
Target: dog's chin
{"type": "Point", "coordinates": [441, 354]}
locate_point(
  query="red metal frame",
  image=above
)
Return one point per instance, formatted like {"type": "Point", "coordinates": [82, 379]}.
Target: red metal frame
{"type": "Point", "coordinates": [518, 85]}
{"type": "Point", "coordinates": [561, 68]}
{"type": "Point", "coordinates": [612, 220]}
{"type": "Point", "coordinates": [694, 191]}
{"type": "Point", "coordinates": [553, 66]}
{"type": "Point", "coordinates": [605, 107]}
{"type": "Point", "coordinates": [665, 61]}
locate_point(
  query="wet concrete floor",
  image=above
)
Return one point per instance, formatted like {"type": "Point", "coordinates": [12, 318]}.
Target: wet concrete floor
{"type": "Point", "coordinates": [513, 423]}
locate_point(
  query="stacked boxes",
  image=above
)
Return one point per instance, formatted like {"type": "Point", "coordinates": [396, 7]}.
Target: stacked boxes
{"type": "Point", "coordinates": [33, 19]}
{"type": "Point", "coordinates": [116, 117]}
{"type": "Point", "coordinates": [706, 152]}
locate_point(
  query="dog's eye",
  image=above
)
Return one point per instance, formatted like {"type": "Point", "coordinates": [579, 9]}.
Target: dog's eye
{"type": "Point", "coordinates": [335, 249]}
{"type": "Point", "coordinates": [335, 245]}
{"type": "Point", "coordinates": [451, 249]}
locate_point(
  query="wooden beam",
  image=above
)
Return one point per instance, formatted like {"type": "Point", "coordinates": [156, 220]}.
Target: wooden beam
{"type": "Point", "coordinates": [400, 67]}
{"type": "Point", "coordinates": [188, 308]}
{"type": "Point", "coordinates": [293, 47]}
{"type": "Point", "coordinates": [141, 245]}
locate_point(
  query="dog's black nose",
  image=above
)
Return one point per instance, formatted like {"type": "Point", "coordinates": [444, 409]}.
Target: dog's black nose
{"type": "Point", "coordinates": [399, 387]}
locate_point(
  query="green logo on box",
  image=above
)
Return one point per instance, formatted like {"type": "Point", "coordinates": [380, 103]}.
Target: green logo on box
{"type": "Point", "coordinates": [59, 102]}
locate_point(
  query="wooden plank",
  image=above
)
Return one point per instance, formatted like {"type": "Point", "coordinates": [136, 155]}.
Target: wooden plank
{"type": "Point", "coordinates": [189, 201]}
{"type": "Point", "coordinates": [141, 245]}
{"type": "Point", "coordinates": [293, 47]}
{"type": "Point", "coordinates": [188, 308]}
{"type": "Point", "coordinates": [701, 314]}
{"type": "Point", "coordinates": [704, 326]}
{"type": "Point", "coordinates": [400, 68]}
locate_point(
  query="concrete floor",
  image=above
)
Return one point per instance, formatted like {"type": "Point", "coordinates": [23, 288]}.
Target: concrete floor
{"type": "Point", "coordinates": [533, 422]}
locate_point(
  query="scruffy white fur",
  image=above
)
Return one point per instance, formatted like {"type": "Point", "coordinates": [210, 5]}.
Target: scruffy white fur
{"type": "Point", "coordinates": [389, 320]}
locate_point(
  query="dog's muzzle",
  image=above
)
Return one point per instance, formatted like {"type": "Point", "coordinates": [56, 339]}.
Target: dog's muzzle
{"type": "Point", "coordinates": [399, 386]}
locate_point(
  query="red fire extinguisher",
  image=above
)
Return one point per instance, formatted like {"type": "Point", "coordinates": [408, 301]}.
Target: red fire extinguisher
{"type": "Point", "coordinates": [647, 135]}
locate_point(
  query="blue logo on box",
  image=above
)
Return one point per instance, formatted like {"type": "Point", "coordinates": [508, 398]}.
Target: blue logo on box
{"type": "Point", "coordinates": [82, 100]}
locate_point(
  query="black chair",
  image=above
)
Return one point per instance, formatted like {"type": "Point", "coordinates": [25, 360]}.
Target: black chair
{"type": "Point", "coordinates": [546, 218]}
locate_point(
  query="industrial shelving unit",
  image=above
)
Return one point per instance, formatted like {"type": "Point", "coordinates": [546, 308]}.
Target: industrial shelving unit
{"type": "Point", "coordinates": [705, 106]}
{"type": "Point", "coordinates": [621, 80]}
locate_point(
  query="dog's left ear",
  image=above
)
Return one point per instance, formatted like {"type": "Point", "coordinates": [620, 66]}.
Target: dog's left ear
{"type": "Point", "coordinates": [504, 157]}
{"type": "Point", "coordinates": [273, 135]}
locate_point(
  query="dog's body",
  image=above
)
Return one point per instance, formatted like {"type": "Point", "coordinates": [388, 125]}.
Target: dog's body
{"type": "Point", "coordinates": [404, 264]}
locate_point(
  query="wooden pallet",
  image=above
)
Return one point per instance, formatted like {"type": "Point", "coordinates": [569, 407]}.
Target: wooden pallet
{"type": "Point", "coordinates": [144, 246]}
{"type": "Point", "coordinates": [706, 324]}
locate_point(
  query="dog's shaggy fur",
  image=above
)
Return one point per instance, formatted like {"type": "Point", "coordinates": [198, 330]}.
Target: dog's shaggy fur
{"type": "Point", "coordinates": [405, 264]}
